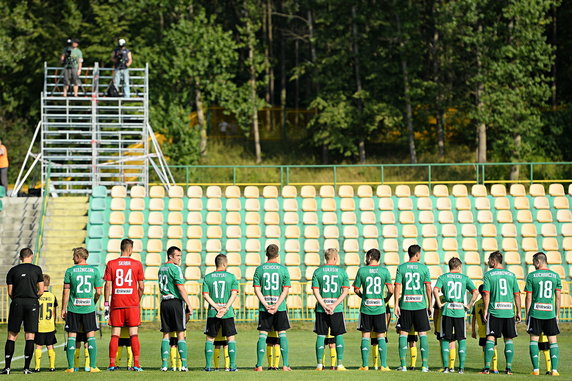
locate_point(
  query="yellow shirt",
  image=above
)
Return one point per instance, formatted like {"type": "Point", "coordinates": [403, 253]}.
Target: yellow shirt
{"type": "Point", "coordinates": [48, 304]}
{"type": "Point", "coordinates": [124, 333]}
{"type": "Point", "coordinates": [272, 334]}
{"type": "Point", "coordinates": [478, 313]}
{"type": "Point", "coordinates": [219, 336]}
{"type": "Point", "coordinates": [3, 157]}
{"type": "Point", "coordinates": [543, 339]}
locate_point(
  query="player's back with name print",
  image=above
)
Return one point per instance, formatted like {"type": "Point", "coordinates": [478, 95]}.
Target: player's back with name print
{"type": "Point", "coordinates": [124, 273]}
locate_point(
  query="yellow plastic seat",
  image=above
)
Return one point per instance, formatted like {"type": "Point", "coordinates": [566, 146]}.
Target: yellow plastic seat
{"type": "Point", "coordinates": [443, 204]}
{"type": "Point", "coordinates": [292, 231]}
{"type": "Point", "coordinates": [567, 230]}
{"type": "Point", "coordinates": [463, 203]}
{"type": "Point", "coordinates": [352, 272]}
{"type": "Point", "coordinates": [465, 217]}
{"type": "Point", "coordinates": [410, 231]}
{"type": "Point", "coordinates": [295, 274]}
{"type": "Point", "coordinates": [371, 231]}
{"type": "Point", "coordinates": [194, 191]}
{"type": "Point", "coordinates": [192, 273]}
{"type": "Point", "coordinates": [349, 218]}
{"type": "Point", "coordinates": [479, 190]}
{"type": "Point", "coordinates": [460, 190]}
{"type": "Point", "coordinates": [116, 231]}
{"type": "Point", "coordinates": [151, 273]}
{"type": "Point", "coordinates": [498, 190]}
{"type": "Point", "coordinates": [311, 246]}
{"type": "Point", "coordinates": [155, 232]}
{"type": "Point", "coordinates": [331, 244]}
{"type": "Point", "coordinates": [512, 258]}
{"type": "Point", "coordinates": [351, 246]}
{"type": "Point", "coordinates": [214, 218]}
{"type": "Point", "coordinates": [524, 216]}
{"type": "Point", "coordinates": [403, 191]}
{"type": "Point", "coordinates": [564, 216]}
{"type": "Point", "coordinates": [508, 230]}
{"type": "Point", "coordinates": [214, 191]}
{"type": "Point", "coordinates": [365, 191]}
{"type": "Point", "coordinates": [489, 230]}
{"type": "Point", "coordinates": [387, 218]}
{"type": "Point", "coordinates": [386, 204]}
{"type": "Point", "coordinates": [490, 244]}
{"type": "Point", "coordinates": [153, 259]}
{"type": "Point", "coordinates": [253, 231]}
{"type": "Point", "coordinates": [156, 204]}
{"type": "Point", "coordinates": [175, 218]}
{"type": "Point", "coordinates": [445, 217]}
{"type": "Point", "coordinates": [292, 246]}
{"type": "Point", "coordinates": [482, 203]}
{"type": "Point", "coordinates": [517, 270]}
{"type": "Point", "coordinates": [391, 259]}
{"type": "Point", "coordinates": [137, 204]}
{"type": "Point", "coordinates": [253, 218]}
{"type": "Point", "coordinates": [517, 190]}
{"type": "Point", "coordinates": [389, 231]}
{"type": "Point", "coordinates": [405, 204]}
{"type": "Point", "coordinates": [435, 272]}
{"type": "Point", "coordinates": [118, 191]}
{"type": "Point", "coordinates": [368, 218]}
{"type": "Point", "coordinates": [502, 203]}
{"type": "Point", "coordinates": [430, 244]}
{"type": "Point", "coordinates": [429, 231]}
{"type": "Point", "coordinates": [347, 204]}
{"type": "Point", "coordinates": [154, 246]}
{"type": "Point", "coordinates": [536, 190]}
{"type": "Point", "coordinates": [390, 245]}
{"type": "Point", "coordinates": [366, 204]}
{"type": "Point", "coordinates": [472, 258]}
{"type": "Point", "coordinates": [310, 218]}
{"type": "Point", "coordinates": [424, 204]}
{"type": "Point", "coordinates": [328, 205]}
{"type": "Point", "coordinates": [157, 191]}
{"type": "Point", "coordinates": [233, 232]}
{"type": "Point", "coordinates": [327, 191]}
{"type": "Point", "coordinates": [449, 230]}
{"type": "Point", "coordinates": [383, 191]}
{"type": "Point", "coordinates": [233, 245]}
{"type": "Point", "coordinates": [440, 191]}
{"type": "Point", "coordinates": [370, 243]}
{"type": "Point", "coordinates": [541, 203]}
{"type": "Point", "coordinates": [252, 245]}
{"type": "Point", "coordinates": [484, 217]}
{"type": "Point", "coordinates": [232, 191]}
{"type": "Point", "coordinates": [567, 245]}
{"type": "Point", "coordinates": [135, 231]}
{"type": "Point", "coordinates": [252, 259]}
{"type": "Point", "coordinates": [114, 246]}
{"type": "Point", "coordinates": [308, 191]}
{"type": "Point", "coordinates": [509, 244]}
{"type": "Point", "coordinates": [469, 230]}
{"type": "Point", "coordinates": [431, 258]}
{"type": "Point", "coordinates": [450, 244]}
{"type": "Point", "coordinates": [251, 192]}
{"type": "Point", "coordinates": [331, 232]}
{"type": "Point", "coordinates": [194, 245]}
{"type": "Point", "coordinates": [312, 259]}
{"type": "Point", "coordinates": [346, 191]}
{"type": "Point", "coordinates": [548, 230]}
{"type": "Point", "coordinates": [406, 217]}
{"type": "Point", "coordinates": [270, 191]}
{"type": "Point", "coordinates": [175, 232]}
{"type": "Point", "coordinates": [138, 191]}
{"type": "Point", "coordinates": [234, 259]}
{"type": "Point", "coordinates": [556, 190]}
{"type": "Point", "coordinates": [561, 203]}
{"type": "Point", "coordinates": [155, 218]}
{"type": "Point", "coordinates": [118, 204]}
{"type": "Point", "coordinates": [475, 272]}
{"type": "Point", "coordinates": [554, 257]}
{"type": "Point", "coordinates": [195, 204]}
{"type": "Point", "coordinates": [549, 244]}
{"type": "Point", "coordinates": [469, 244]}
{"type": "Point", "coordinates": [544, 216]}
{"type": "Point", "coordinates": [329, 218]}
{"type": "Point", "coordinates": [272, 231]}
{"type": "Point", "coordinates": [529, 244]}
{"type": "Point", "coordinates": [504, 217]}
{"type": "Point", "coordinates": [421, 190]}
{"type": "Point", "coordinates": [135, 218]}
{"type": "Point", "coordinates": [521, 203]}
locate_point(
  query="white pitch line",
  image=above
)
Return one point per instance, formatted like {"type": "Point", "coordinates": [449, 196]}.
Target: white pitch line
{"type": "Point", "coordinates": [43, 350]}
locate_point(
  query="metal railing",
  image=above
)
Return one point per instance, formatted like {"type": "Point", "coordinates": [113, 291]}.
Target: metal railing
{"type": "Point", "coordinates": [374, 174]}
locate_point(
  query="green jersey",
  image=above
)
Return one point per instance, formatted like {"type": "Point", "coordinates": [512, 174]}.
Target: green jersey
{"type": "Point", "coordinates": [502, 286]}
{"type": "Point", "coordinates": [271, 277]}
{"type": "Point", "coordinates": [82, 281]}
{"type": "Point", "coordinates": [330, 280]}
{"type": "Point", "coordinates": [73, 59]}
{"type": "Point", "coordinates": [170, 276]}
{"type": "Point", "coordinates": [373, 280]}
{"type": "Point", "coordinates": [412, 276]}
{"type": "Point", "coordinates": [542, 284]}
{"type": "Point", "coordinates": [453, 287]}
{"type": "Point", "coordinates": [220, 285]}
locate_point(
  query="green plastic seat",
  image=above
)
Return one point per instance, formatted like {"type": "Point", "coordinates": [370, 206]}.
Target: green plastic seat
{"type": "Point", "coordinates": [1, 206]}
{"type": "Point", "coordinates": [96, 218]}
{"type": "Point", "coordinates": [2, 191]}
{"type": "Point", "coordinates": [99, 191]}
{"type": "Point", "coordinates": [97, 204]}
{"type": "Point", "coordinates": [95, 245]}
{"type": "Point", "coordinates": [95, 231]}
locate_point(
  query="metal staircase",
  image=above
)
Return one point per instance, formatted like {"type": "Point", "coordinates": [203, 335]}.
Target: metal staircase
{"type": "Point", "coordinates": [94, 139]}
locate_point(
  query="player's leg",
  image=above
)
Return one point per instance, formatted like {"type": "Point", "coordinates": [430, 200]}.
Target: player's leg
{"type": "Point", "coordinates": [209, 351]}
{"type": "Point", "coordinates": [182, 349]}
{"type": "Point", "coordinates": [129, 357]}
{"type": "Point", "coordinates": [551, 330]}
{"type": "Point", "coordinates": [264, 326]}
{"type": "Point", "coordinates": [422, 325]}
{"type": "Point", "coordinates": [92, 350]}
{"type": "Point", "coordinates": [37, 357]}
{"type": "Point", "coordinates": [333, 354]}
{"type": "Point", "coordinates": [509, 332]}
{"type": "Point", "coordinates": [544, 348]}
{"type": "Point", "coordinates": [338, 329]}
{"type": "Point", "coordinates": [412, 347]}
{"type": "Point", "coordinates": [226, 357]}
{"type": "Point", "coordinates": [52, 355]}
{"type": "Point", "coordinates": [277, 355]}
{"type": "Point", "coordinates": [231, 350]}
{"type": "Point", "coordinates": [534, 352]}
{"type": "Point", "coordinates": [444, 338]}
{"type": "Point", "coordinates": [365, 327]}
{"type": "Point", "coordinates": [166, 350]}
{"type": "Point", "coordinates": [216, 356]}
{"type": "Point", "coordinates": [461, 341]}
{"type": "Point", "coordinates": [281, 323]}
{"type": "Point", "coordinates": [321, 330]}
{"type": "Point", "coordinates": [493, 330]}
{"type": "Point", "coordinates": [374, 350]}
{"type": "Point", "coordinates": [380, 328]}
{"type": "Point", "coordinates": [71, 346]}
{"type": "Point", "coordinates": [452, 355]}
{"type": "Point", "coordinates": [116, 321]}
{"type": "Point", "coordinates": [133, 323]}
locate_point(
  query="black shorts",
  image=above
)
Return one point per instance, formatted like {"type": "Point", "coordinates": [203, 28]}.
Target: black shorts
{"type": "Point", "coordinates": [23, 310]}
{"type": "Point", "coordinates": [221, 343]}
{"type": "Point", "coordinates": [173, 317]}
{"type": "Point", "coordinates": [501, 327]}
{"type": "Point", "coordinates": [416, 318]}
{"type": "Point", "coordinates": [278, 322]}
{"type": "Point", "coordinates": [81, 337]}
{"type": "Point", "coordinates": [368, 323]}
{"type": "Point", "coordinates": [334, 323]}
{"type": "Point", "coordinates": [330, 341]}
{"type": "Point", "coordinates": [45, 338]}
{"type": "Point", "coordinates": [124, 342]}
{"type": "Point", "coordinates": [537, 327]}
{"type": "Point", "coordinates": [412, 338]}
{"type": "Point", "coordinates": [452, 328]}
{"type": "Point", "coordinates": [483, 341]}
{"type": "Point", "coordinates": [173, 341]}
{"type": "Point", "coordinates": [273, 340]}
{"type": "Point", "coordinates": [81, 322]}
{"type": "Point", "coordinates": [226, 326]}
{"type": "Point", "coordinates": [544, 346]}
{"type": "Point", "coordinates": [71, 77]}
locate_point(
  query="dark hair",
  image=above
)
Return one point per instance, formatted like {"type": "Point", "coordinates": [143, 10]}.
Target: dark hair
{"type": "Point", "coordinates": [497, 256]}
{"type": "Point", "coordinates": [539, 258]}
{"type": "Point", "coordinates": [481, 288]}
{"type": "Point", "coordinates": [220, 259]}
{"type": "Point", "coordinates": [126, 243]}
{"type": "Point", "coordinates": [373, 254]}
{"type": "Point", "coordinates": [454, 263]}
{"type": "Point", "coordinates": [413, 249]}
{"type": "Point", "coordinates": [171, 251]}
{"type": "Point", "coordinates": [26, 252]}
{"type": "Point", "coordinates": [272, 251]}
{"type": "Point", "coordinates": [46, 280]}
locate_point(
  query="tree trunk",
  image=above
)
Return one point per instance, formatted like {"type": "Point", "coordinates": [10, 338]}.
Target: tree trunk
{"type": "Point", "coordinates": [359, 88]}
{"type": "Point", "coordinates": [438, 80]}
{"type": "Point", "coordinates": [440, 117]}
{"type": "Point", "coordinates": [515, 169]}
{"type": "Point", "coordinates": [553, 87]}
{"type": "Point", "coordinates": [406, 89]}
{"type": "Point", "coordinates": [267, 29]}
{"type": "Point", "coordinates": [253, 97]}
{"type": "Point", "coordinates": [202, 121]}
{"type": "Point", "coordinates": [481, 126]}
{"type": "Point", "coordinates": [283, 81]}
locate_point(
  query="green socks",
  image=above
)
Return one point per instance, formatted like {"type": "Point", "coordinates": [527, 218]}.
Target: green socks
{"type": "Point", "coordinates": [320, 340]}
{"type": "Point", "coordinates": [209, 352]}
{"type": "Point", "coordinates": [260, 348]}
{"type": "Point", "coordinates": [424, 344]}
{"type": "Point", "coordinates": [444, 353]}
{"type": "Point", "coordinates": [340, 348]}
{"type": "Point", "coordinates": [232, 354]}
{"type": "Point", "coordinates": [462, 353]}
{"type": "Point", "coordinates": [364, 351]}
{"type": "Point", "coordinates": [489, 352]}
{"type": "Point", "coordinates": [165, 353]}
{"type": "Point", "coordinates": [382, 349]}
{"type": "Point", "coordinates": [509, 353]}
{"type": "Point", "coordinates": [70, 351]}
{"type": "Point", "coordinates": [283, 348]}
{"type": "Point", "coordinates": [92, 350]}
{"type": "Point", "coordinates": [554, 354]}
{"type": "Point", "coordinates": [403, 350]}
{"type": "Point", "coordinates": [182, 348]}
{"type": "Point", "coordinates": [534, 354]}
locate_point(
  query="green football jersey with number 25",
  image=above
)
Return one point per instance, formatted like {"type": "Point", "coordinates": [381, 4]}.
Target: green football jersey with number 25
{"type": "Point", "coordinates": [83, 280]}
{"type": "Point", "coordinates": [271, 277]}
{"type": "Point", "coordinates": [330, 280]}
{"type": "Point", "coordinates": [412, 276]}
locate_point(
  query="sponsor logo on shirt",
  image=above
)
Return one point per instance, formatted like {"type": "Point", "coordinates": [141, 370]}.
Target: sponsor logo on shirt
{"type": "Point", "coordinates": [542, 307]}
{"type": "Point", "coordinates": [455, 306]}
{"type": "Point", "coordinates": [373, 303]}
{"type": "Point", "coordinates": [503, 306]}
{"type": "Point", "coordinates": [329, 300]}
{"type": "Point", "coordinates": [82, 302]}
{"type": "Point", "coordinates": [270, 299]}
{"type": "Point", "coordinates": [123, 291]}
{"type": "Point", "coordinates": [413, 298]}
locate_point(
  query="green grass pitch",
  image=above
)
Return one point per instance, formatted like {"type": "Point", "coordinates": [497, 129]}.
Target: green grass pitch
{"type": "Point", "coordinates": [302, 358]}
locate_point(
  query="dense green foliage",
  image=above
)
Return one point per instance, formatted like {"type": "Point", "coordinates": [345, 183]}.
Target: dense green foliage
{"type": "Point", "coordinates": [492, 76]}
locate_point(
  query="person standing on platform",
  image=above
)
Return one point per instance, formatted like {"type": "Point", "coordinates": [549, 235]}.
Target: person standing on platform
{"type": "Point", "coordinates": [4, 164]}
{"type": "Point", "coordinates": [122, 59]}
{"type": "Point", "coordinates": [72, 59]}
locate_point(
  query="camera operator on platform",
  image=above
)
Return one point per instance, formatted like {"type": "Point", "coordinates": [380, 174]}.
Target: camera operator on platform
{"type": "Point", "coordinates": [121, 58]}
{"type": "Point", "coordinates": [72, 59]}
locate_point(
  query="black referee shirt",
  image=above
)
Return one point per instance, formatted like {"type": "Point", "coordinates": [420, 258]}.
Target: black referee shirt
{"type": "Point", "coordinates": [24, 279]}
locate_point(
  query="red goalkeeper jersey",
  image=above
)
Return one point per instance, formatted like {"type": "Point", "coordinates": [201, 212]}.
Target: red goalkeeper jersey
{"type": "Point", "coordinates": [124, 274]}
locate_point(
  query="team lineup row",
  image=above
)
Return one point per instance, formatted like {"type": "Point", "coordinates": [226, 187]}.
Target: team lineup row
{"type": "Point", "coordinates": [496, 313]}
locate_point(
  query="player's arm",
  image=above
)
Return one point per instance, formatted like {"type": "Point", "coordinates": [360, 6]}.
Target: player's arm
{"type": "Point", "coordinates": [343, 295]}
{"type": "Point", "coordinates": [129, 59]}
{"type": "Point", "coordinates": [487, 302]}
{"type": "Point", "coordinates": [390, 291]}
{"type": "Point", "coordinates": [436, 291]}
{"type": "Point", "coordinates": [210, 301]}
{"type": "Point", "coordinates": [283, 295]}
{"type": "Point", "coordinates": [517, 302]}
{"type": "Point", "coordinates": [319, 299]}
{"type": "Point", "coordinates": [397, 295]}
{"type": "Point", "coordinates": [557, 302]}
{"type": "Point", "coordinates": [233, 295]}
{"type": "Point", "coordinates": [10, 289]}
{"type": "Point", "coordinates": [475, 296]}
{"type": "Point", "coordinates": [40, 285]}
{"type": "Point", "coordinates": [429, 293]}
{"type": "Point", "coordinates": [527, 303]}
{"type": "Point", "coordinates": [260, 297]}
{"type": "Point", "coordinates": [107, 291]}
{"type": "Point", "coordinates": [474, 325]}
{"type": "Point", "coordinates": [65, 300]}
{"type": "Point", "coordinates": [141, 288]}
{"type": "Point", "coordinates": [185, 296]}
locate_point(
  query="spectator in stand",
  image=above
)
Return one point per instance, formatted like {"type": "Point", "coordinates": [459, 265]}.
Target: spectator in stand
{"type": "Point", "coordinates": [72, 59]}
{"type": "Point", "coordinates": [121, 58]}
{"type": "Point", "coordinates": [3, 166]}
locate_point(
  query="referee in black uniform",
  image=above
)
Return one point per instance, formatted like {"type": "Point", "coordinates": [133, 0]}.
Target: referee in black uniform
{"type": "Point", "coordinates": [25, 285]}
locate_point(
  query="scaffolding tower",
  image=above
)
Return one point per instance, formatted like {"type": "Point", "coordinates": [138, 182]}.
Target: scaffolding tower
{"type": "Point", "coordinates": [94, 139]}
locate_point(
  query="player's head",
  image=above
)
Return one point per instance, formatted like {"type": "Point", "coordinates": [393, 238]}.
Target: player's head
{"type": "Point", "coordinates": [539, 260]}
{"type": "Point", "coordinates": [272, 251]}
{"type": "Point", "coordinates": [331, 256]}
{"type": "Point", "coordinates": [26, 254]}
{"type": "Point", "coordinates": [174, 255]}
{"type": "Point", "coordinates": [46, 280]}
{"type": "Point", "coordinates": [80, 254]}
{"type": "Point", "coordinates": [414, 252]}
{"type": "Point", "coordinates": [372, 255]}
{"type": "Point", "coordinates": [126, 247]}
{"type": "Point", "coordinates": [221, 262]}
{"type": "Point", "coordinates": [455, 264]}
{"type": "Point", "coordinates": [495, 259]}
{"type": "Point", "coordinates": [481, 288]}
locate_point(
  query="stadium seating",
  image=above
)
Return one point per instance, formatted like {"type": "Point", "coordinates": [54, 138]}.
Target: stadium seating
{"type": "Point", "coordinates": [463, 221]}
